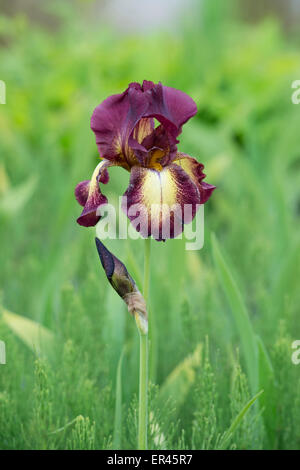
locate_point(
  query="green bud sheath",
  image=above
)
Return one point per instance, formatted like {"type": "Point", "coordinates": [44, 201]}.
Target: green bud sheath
{"type": "Point", "coordinates": [121, 280]}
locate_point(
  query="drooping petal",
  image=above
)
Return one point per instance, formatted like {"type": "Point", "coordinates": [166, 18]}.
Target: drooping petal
{"type": "Point", "coordinates": [195, 171]}
{"type": "Point", "coordinates": [89, 196]}
{"type": "Point", "coordinates": [82, 192]}
{"type": "Point", "coordinates": [159, 203]}
{"type": "Point", "coordinates": [113, 122]}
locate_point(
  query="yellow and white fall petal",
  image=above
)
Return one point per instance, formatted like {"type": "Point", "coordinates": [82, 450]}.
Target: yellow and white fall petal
{"type": "Point", "coordinates": [195, 171]}
{"type": "Point", "coordinates": [159, 203]}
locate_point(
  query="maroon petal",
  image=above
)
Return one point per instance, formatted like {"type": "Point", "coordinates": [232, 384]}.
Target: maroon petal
{"type": "Point", "coordinates": [123, 121]}
{"type": "Point", "coordinates": [156, 201]}
{"type": "Point", "coordinates": [114, 120]}
{"type": "Point", "coordinates": [195, 171]}
{"type": "Point", "coordinates": [138, 137]}
{"type": "Point", "coordinates": [82, 192]}
{"type": "Point", "coordinates": [88, 194]}
{"type": "Point", "coordinates": [147, 85]}
{"type": "Point", "coordinates": [206, 191]}
{"type": "Point", "coordinates": [171, 107]}
{"type": "Point", "coordinates": [159, 140]}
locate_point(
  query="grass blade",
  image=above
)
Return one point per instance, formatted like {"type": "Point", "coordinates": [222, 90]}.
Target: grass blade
{"type": "Point", "coordinates": [117, 439]}
{"type": "Point", "coordinates": [179, 381]}
{"type": "Point", "coordinates": [235, 423]}
{"type": "Point", "coordinates": [34, 335]}
{"type": "Point", "coordinates": [16, 198]}
{"type": "Point", "coordinates": [239, 312]}
{"type": "Point", "coordinates": [66, 426]}
{"type": "Point", "coordinates": [267, 382]}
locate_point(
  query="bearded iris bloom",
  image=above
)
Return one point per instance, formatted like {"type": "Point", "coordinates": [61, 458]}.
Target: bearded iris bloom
{"type": "Point", "coordinates": [161, 177]}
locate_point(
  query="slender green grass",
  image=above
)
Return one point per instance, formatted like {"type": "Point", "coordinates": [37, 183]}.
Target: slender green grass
{"type": "Point", "coordinates": [117, 440]}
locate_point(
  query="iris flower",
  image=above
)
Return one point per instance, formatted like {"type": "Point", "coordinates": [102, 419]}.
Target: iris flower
{"type": "Point", "coordinates": [161, 177]}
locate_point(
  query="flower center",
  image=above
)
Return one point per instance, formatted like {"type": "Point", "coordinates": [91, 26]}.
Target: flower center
{"type": "Point", "coordinates": [154, 161]}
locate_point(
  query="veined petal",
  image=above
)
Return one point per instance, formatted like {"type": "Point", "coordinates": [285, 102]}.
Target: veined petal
{"type": "Point", "coordinates": [161, 147]}
{"type": "Point", "coordinates": [172, 108]}
{"type": "Point", "coordinates": [113, 122]}
{"type": "Point", "coordinates": [143, 128]}
{"type": "Point", "coordinates": [122, 123]}
{"type": "Point", "coordinates": [88, 194]}
{"type": "Point", "coordinates": [136, 141]}
{"type": "Point", "coordinates": [158, 203]}
{"type": "Point", "coordinates": [82, 192]}
{"type": "Point", "coordinates": [195, 171]}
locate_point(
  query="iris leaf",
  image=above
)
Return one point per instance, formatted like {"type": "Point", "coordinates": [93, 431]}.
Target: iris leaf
{"type": "Point", "coordinates": [16, 198]}
{"type": "Point", "coordinates": [34, 335]}
{"type": "Point", "coordinates": [179, 381]}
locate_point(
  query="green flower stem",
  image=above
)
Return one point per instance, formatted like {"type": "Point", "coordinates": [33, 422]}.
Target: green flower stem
{"type": "Point", "coordinates": [147, 254]}
{"type": "Point", "coordinates": [143, 331]}
{"type": "Point", "coordinates": [143, 394]}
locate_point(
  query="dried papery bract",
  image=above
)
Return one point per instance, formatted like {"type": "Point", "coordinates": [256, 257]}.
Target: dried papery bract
{"type": "Point", "coordinates": [124, 285]}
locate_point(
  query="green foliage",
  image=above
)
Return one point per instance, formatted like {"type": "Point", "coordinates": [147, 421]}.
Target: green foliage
{"type": "Point", "coordinates": [240, 291]}
{"type": "Point", "coordinates": [34, 335]}
{"type": "Point", "coordinates": [240, 313]}
{"type": "Point", "coordinates": [83, 435]}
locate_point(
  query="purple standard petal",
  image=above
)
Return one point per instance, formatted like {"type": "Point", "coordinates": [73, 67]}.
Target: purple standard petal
{"type": "Point", "coordinates": [172, 108]}
{"type": "Point", "coordinates": [113, 122]}
{"type": "Point", "coordinates": [124, 127]}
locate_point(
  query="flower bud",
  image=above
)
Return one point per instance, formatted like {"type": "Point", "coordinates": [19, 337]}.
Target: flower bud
{"type": "Point", "coordinates": [121, 281]}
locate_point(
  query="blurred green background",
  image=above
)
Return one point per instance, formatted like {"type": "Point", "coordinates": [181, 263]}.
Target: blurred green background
{"type": "Point", "coordinates": [222, 319]}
